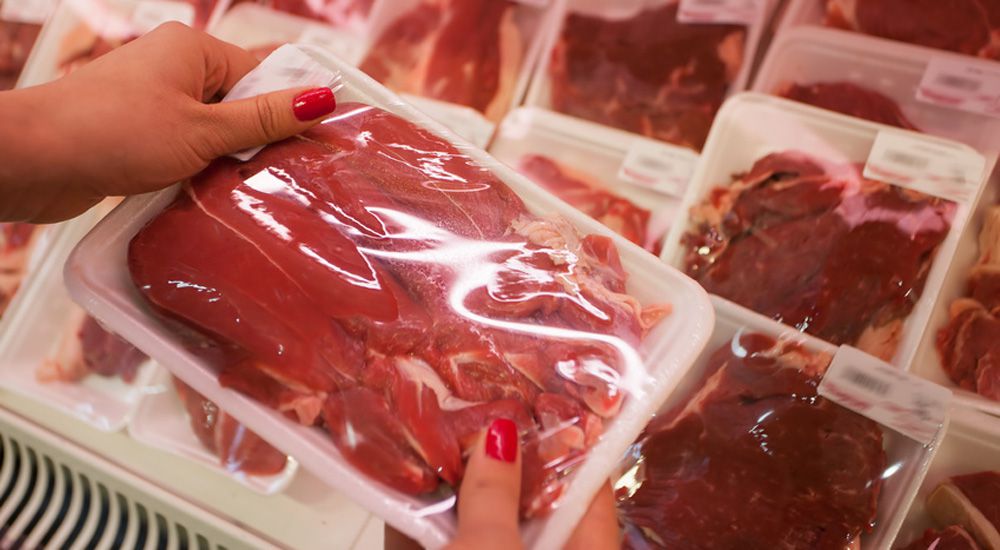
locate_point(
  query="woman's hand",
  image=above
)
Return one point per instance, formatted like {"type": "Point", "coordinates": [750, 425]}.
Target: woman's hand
{"type": "Point", "coordinates": [136, 120]}
{"type": "Point", "coordinates": [488, 502]}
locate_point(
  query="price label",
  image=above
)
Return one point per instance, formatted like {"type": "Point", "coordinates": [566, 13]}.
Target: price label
{"type": "Point", "coordinates": [660, 167]}
{"type": "Point", "coordinates": [739, 12]}
{"type": "Point", "coordinates": [26, 11]}
{"type": "Point", "coordinates": [287, 67]}
{"type": "Point", "coordinates": [915, 162]}
{"type": "Point", "coordinates": [464, 121]}
{"type": "Point", "coordinates": [967, 85]}
{"type": "Point", "coordinates": [149, 14]}
{"type": "Point", "coordinates": [909, 405]}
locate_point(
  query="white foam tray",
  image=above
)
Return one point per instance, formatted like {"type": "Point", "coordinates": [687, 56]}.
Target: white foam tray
{"type": "Point", "coordinates": [588, 148]}
{"type": "Point", "coordinates": [972, 444]}
{"type": "Point", "coordinates": [35, 325]}
{"type": "Point", "coordinates": [807, 54]}
{"type": "Point", "coordinates": [98, 278]}
{"type": "Point", "coordinates": [906, 460]}
{"type": "Point", "coordinates": [161, 421]}
{"type": "Point", "coordinates": [751, 125]}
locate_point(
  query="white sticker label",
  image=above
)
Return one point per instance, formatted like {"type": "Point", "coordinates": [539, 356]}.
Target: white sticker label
{"type": "Point", "coordinates": [909, 405]}
{"type": "Point", "coordinates": [914, 162]}
{"type": "Point", "coordinates": [464, 121]}
{"type": "Point", "coordinates": [287, 67]}
{"type": "Point", "coordinates": [26, 11]}
{"type": "Point", "coordinates": [343, 45]}
{"type": "Point", "coordinates": [740, 12]}
{"type": "Point", "coordinates": [660, 167]}
{"type": "Point", "coordinates": [972, 86]}
{"type": "Point", "coordinates": [149, 14]}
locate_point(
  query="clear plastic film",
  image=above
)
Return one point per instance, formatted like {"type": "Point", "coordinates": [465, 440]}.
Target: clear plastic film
{"type": "Point", "coordinates": [390, 291]}
{"type": "Point", "coordinates": [605, 50]}
{"type": "Point", "coordinates": [749, 452]}
{"type": "Point", "coordinates": [956, 507]}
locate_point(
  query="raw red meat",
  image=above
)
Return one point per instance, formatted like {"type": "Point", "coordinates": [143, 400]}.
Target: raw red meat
{"type": "Point", "coordinates": [90, 349]}
{"type": "Point", "coordinates": [16, 242]}
{"type": "Point", "coordinates": [969, 345]}
{"type": "Point", "coordinates": [620, 214]}
{"type": "Point", "coordinates": [970, 503]}
{"type": "Point", "coordinates": [949, 538]}
{"type": "Point", "coordinates": [966, 26]}
{"type": "Point", "coordinates": [850, 99]}
{"type": "Point", "coordinates": [754, 459]}
{"type": "Point", "coordinates": [369, 277]}
{"type": "Point", "coordinates": [818, 247]}
{"type": "Point", "coordinates": [983, 491]}
{"type": "Point", "coordinates": [335, 12]}
{"type": "Point", "coordinates": [461, 51]}
{"type": "Point", "coordinates": [16, 41]}
{"type": "Point", "coordinates": [649, 74]}
{"type": "Point", "coordinates": [238, 449]}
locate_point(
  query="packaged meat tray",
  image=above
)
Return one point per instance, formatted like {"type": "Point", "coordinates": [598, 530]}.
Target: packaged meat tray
{"type": "Point", "coordinates": [22, 248]}
{"type": "Point", "coordinates": [20, 23]}
{"type": "Point", "coordinates": [959, 346]}
{"type": "Point", "coordinates": [970, 27]}
{"type": "Point", "coordinates": [591, 167]}
{"type": "Point", "coordinates": [352, 15]}
{"type": "Point", "coordinates": [174, 418]}
{"type": "Point", "coordinates": [261, 30]}
{"type": "Point", "coordinates": [80, 31]}
{"type": "Point", "coordinates": [747, 452]}
{"type": "Point", "coordinates": [873, 79]}
{"type": "Point", "coordinates": [450, 341]}
{"type": "Point", "coordinates": [810, 217]}
{"type": "Point", "coordinates": [633, 66]}
{"type": "Point", "coordinates": [957, 503]}
{"type": "Point", "coordinates": [475, 54]}
{"type": "Point", "coordinates": [54, 353]}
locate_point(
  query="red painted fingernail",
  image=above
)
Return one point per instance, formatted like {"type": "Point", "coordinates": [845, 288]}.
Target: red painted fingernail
{"type": "Point", "coordinates": [312, 104]}
{"type": "Point", "coordinates": [501, 440]}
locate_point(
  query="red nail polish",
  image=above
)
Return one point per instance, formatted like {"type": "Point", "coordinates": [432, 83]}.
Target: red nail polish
{"type": "Point", "coordinates": [501, 440]}
{"type": "Point", "coordinates": [312, 104]}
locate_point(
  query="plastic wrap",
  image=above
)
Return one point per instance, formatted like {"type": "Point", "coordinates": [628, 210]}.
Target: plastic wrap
{"type": "Point", "coordinates": [956, 505]}
{"type": "Point", "coordinates": [586, 165]}
{"type": "Point", "coordinates": [749, 453]}
{"type": "Point", "coordinates": [80, 31]}
{"type": "Point", "coordinates": [383, 280]}
{"type": "Point", "coordinates": [174, 418]}
{"type": "Point", "coordinates": [872, 79]}
{"type": "Point", "coordinates": [795, 218]}
{"type": "Point", "coordinates": [634, 66]}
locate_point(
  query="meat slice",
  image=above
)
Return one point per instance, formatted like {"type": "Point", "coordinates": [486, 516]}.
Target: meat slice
{"type": "Point", "coordinates": [754, 459]}
{"type": "Point", "coordinates": [648, 74]}
{"type": "Point", "coordinates": [620, 214]}
{"type": "Point", "coordinates": [952, 537]}
{"type": "Point", "coordinates": [971, 501]}
{"type": "Point", "coordinates": [16, 41]}
{"type": "Point", "coordinates": [369, 278]}
{"type": "Point", "coordinates": [818, 247]}
{"type": "Point", "coordinates": [16, 243]}
{"type": "Point", "coordinates": [850, 99]}
{"type": "Point", "coordinates": [87, 348]}
{"type": "Point", "coordinates": [461, 51]}
{"type": "Point", "coordinates": [964, 26]}
{"type": "Point", "coordinates": [238, 449]}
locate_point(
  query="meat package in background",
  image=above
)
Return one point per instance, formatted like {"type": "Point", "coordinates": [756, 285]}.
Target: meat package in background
{"type": "Point", "coordinates": [965, 26]}
{"type": "Point", "coordinates": [239, 450]}
{"type": "Point", "coordinates": [17, 240]}
{"type": "Point", "coordinates": [754, 458]}
{"type": "Point", "coordinates": [849, 99]}
{"type": "Point", "coordinates": [85, 349]}
{"type": "Point", "coordinates": [648, 74]}
{"type": "Point", "coordinates": [339, 13]}
{"type": "Point", "coordinates": [818, 247]}
{"type": "Point", "coordinates": [468, 52]}
{"type": "Point", "coordinates": [16, 41]}
{"type": "Point", "coordinates": [371, 279]}
{"type": "Point", "coordinates": [618, 213]}
{"type": "Point", "coordinates": [967, 508]}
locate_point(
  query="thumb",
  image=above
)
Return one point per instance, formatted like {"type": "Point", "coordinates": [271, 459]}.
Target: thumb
{"type": "Point", "coordinates": [246, 123]}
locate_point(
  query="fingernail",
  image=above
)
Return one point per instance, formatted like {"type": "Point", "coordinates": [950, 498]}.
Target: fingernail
{"type": "Point", "coordinates": [501, 440]}
{"type": "Point", "coordinates": [312, 104]}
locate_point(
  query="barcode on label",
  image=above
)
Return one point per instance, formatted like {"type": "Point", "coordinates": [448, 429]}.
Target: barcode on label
{"type": "Point", "coordinates": [868, 382]}
{"type": "Point", "coordinates": [958, 82]}
{"type": "Point", "coordinates": [906, 159]}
